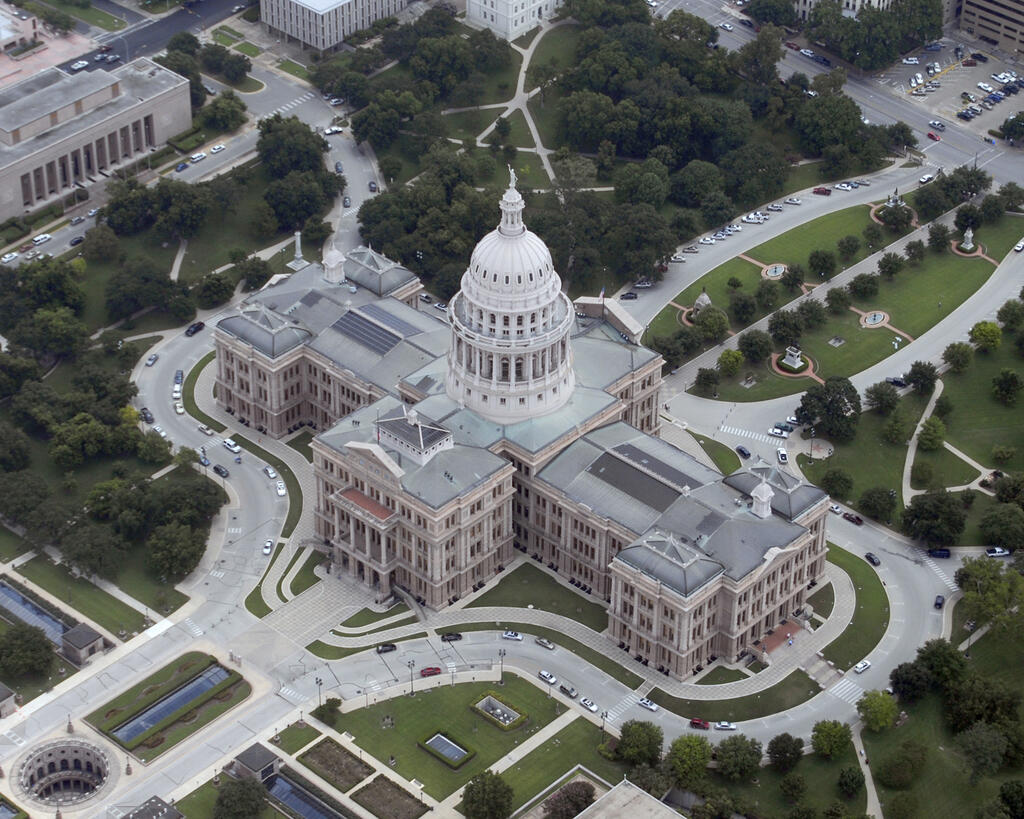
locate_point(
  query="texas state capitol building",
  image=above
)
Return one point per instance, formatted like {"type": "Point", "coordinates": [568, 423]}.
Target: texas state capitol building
{"type": "Point", "coordinates": [518, 422]}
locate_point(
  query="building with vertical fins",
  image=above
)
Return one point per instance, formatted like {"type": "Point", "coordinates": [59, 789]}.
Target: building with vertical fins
{"type": "Point", "coordinates": [521, 425]}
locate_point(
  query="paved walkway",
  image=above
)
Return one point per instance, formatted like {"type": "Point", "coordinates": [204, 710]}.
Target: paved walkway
{"type": "Point", "coordinates": [908, 463]}
{"type": "Point", "coordinates": [874, 806]}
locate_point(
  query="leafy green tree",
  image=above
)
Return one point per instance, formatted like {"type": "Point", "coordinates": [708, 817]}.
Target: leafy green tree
{"type": "Point", "coordinates": [174, 551]}
{"type": "Point", "coordinates": [743, 307]}
{"type": "Point", "coordinates": [24, 650]}
{"type": "Point", "coordinates": [838, 300]}
{"type": "Point", "coordinates": [915, 251]}
{"type": "Point", "coordinates": [756, 345]}
{"type": "Point", "coordinates": [878, 502]}
{"type": "Point", "coordinates": [1013, 127]}
{"type": "Point", "coordinates": [225, 112]}
{"type": "Point", "coordinates": [792, 277]}
{"type": "Point", "coordinates": [897, 219]}
{"type": "Point", "coordinates": [1006, 386]}
{"type": "Point", "coordinates": [958, 356]}
{"type": "Point", "coordinates": [823, 262]}
{"type": "Point", "coordinates": [214, 289]}
{"type": "Point", "coordinates": [487, 796]}
{"type": "Point", "coordinates": [793, 787]}
{"type": "Point", "coordinates": [778, 12]}
{"type": "Point", "coordinates": [837, 482]}
{"type": "Point", "coordinates": [882, 397]}
{"type": "Point", "coordinates": [944, 662]}
{"type": "Point", "coordinates": [872, 235]}
{"type": "Point", "coordinates": [1001, 453]}
{"type": "Point", "coordinates": [939, 236]}
{"type": "Point", "coordinates": [851, 781]}
{"type": "Point", "coordinates": [992, 209]}
{"type": "Point", "coordinates": [832, 407]}
{"type": "Point", "coordinates": [569, 800]}
{"type": "Point", "coordinates": [688, 756]}
{"type": "Point", "coordinates": [984, 748]}
{"type": "Point", "coordinates": [811, 313]}
{"type": "Point", "coordinates": [935, 517]}
{"type": "Point", "coordinates": [739, 757]}
{"type": "Point", "coordinates": [1012, 195]}
{"type": "Point", "coordinates": [707, 380]}
{"type": "Point", "coordinates": [767, 294]}
{"type": "Point", "coordinates": [712, 323]}
{"type": "Point", "coordinates": [785, 327]}
{"type": "Point", "coordinates": [830, 737]}
{"type": "Point", "coordinates": [101, 244]}
{"type": "Point", "coordinates": [902, 766]}
{"type": "Point", "coordinates": [184, 41]}
{"type": "Point", "coordinates": [640, 743]}
{"type": "Point", "coordinates": [1011, 315]}
{"type": "Point", "coordinates": [287, 145]}
{"type": "Point", "coordinates": [890, 264]}
{"type": "Point", "coordinates": [878, 710]}
{"type": "Point", "coordinates": [848, 247]}
{"type": "Point", "coordinates": [967, 217]}
{"type": "Point", "coordinates": [863, 286]}
{"type": "Point", "coordinates": [785, 751]}
{"type": "Point", "coordinates": [240, 799]}
{"type": "Point", "coordinates": [1011, 794]}
{"type": "Point", "coordinates": [922, 376]}
{"type": "Point", "coordinates": [729, 362]}
{"type": "Point", "coordinates": [1004, 524]}
{"type": "Point", "coordinates": [15, 452]}
{"type": "Point", "coordinates": [910, 681]}
{"type": "Point", "coordinates": [932, 434]}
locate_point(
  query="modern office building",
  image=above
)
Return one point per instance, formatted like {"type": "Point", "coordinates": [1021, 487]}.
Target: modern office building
{"type": "Point", "coordinates": [323, 24]}
{"type": "Point", "coordinates": [509, 19]}
{"type": "Point", "coordinates": [17, 28]}
{"type": "Point", "coordinates": [522, 423]}
{"type": "Point", "coordinates": [998, 23]}
{"type": "Point", "coordinates": [59, 132]}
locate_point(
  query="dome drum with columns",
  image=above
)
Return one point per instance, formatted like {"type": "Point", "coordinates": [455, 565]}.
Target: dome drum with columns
{"type": "Point", "coordinates": [510, 356]}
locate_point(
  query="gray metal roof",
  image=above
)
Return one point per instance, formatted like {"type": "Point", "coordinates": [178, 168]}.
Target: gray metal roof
{"type": "Point", "coordinates": [601, 357]}
{"type": "Point", "coordinates": [449, 474]}
{"type": "Point", "coordinates": [269, 332]}
{"type": "Point", "coordinates": [792, 496]}
{"type": "Point", "coordinates": [81, 636]}
{"type": "Point", "coordinates": [378, 274]}
{"type": "Point", "coordinates": [678, 565]}
{"type": "Point", "coordinates": [413, 428]}
{"type": "Point", "coordinates": [256, 757]}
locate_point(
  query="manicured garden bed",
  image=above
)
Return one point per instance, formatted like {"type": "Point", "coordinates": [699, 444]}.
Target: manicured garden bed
{"type": "Point", "coordinates": [382, 797]}
{"type": "Point", "coordinates": [336, 765]}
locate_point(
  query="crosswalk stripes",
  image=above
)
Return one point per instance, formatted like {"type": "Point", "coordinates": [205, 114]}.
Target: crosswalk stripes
{"type": "Point", "coordinates": [291, 695]}
{"type": "Point", "coordinates": [288, 106]}
{"type": "Point", "coordinates": [217, 574]}
{"type": "Point", "coordinates": [945, 578]}
{"type": "Point", "coordinates": [746, 433]}
{"type": "Point", "coordinates": [194, 630]}
{"type": "Point", "coordinates": [13, 737]}
{"type": "Point", "coordinates": [620, 707]}
{"type": "Point", "coordinates": [847, 690]}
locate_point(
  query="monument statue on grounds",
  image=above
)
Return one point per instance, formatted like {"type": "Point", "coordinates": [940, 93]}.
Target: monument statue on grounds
{"type": "Point", "coordinates": [968, 242]}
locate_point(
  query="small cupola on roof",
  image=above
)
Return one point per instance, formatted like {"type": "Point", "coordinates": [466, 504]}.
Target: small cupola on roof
{"type": "Point", "coordinates": [412, 436]}
{"type": "Point", "coordinates": [762, 496]}
{"type": "Point", "coordinates": [510, 356]}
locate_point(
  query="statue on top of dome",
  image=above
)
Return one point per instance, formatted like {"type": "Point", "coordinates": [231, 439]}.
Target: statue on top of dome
{"type": "Point", "coordinates": [512, 175]}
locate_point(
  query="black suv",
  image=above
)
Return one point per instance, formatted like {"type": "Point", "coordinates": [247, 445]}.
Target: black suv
{"type": "Point", "coordinates": [451, 637]}
{"type": "Point", "coordinates": [194, 328]}
{"type": "Point", "coordinates": [146, 415]}
{"type": "Point", "coordinates": [384, 648]}
{"type": "Point", "coordinates": [220, 470]}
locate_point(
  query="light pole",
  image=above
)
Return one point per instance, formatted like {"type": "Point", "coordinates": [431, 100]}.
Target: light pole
{"type": "Point", "coordinates": [501, 664]}
{"type": "Point", "coordinates": [412, 665]}
{"type": "Point", "coordinates": [604, 716]}
{"type": "Point", "coordinates": [319, 689]}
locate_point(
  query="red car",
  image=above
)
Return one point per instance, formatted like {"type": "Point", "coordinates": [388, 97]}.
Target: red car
{"type": "Point", "coordinates": [934, 136]}
{"type": "Point", "coordinates": [823, 191]}
{"type": "Point", "coordinates": [432, 671]}
{"type": "Point", "coordinates": [855, 519]}
{"type": "Point", "coordinates": [792, 45]}
{"type": "Point", "coordinates": [703, 724]}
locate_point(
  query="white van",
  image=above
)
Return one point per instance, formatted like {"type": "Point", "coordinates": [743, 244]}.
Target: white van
{"type": "Point", "coordinates": [197, 157]}
{"type": "Point", "coordinates": [176, 392]}
{"type": "Point", "coordinates": [41, 239]}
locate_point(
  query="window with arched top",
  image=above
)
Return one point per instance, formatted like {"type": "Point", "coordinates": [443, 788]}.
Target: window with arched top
{"type": "Point", "coordinates": [64, 765]}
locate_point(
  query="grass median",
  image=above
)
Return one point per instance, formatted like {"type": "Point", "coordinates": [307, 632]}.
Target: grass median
{"type": "Point", "coordinates": [367, 617]}
{"type": "Point", "coordinates": [306, 577]}
{"type": "Point", "coordinates": [795, 689]}
{"type": "Point", "coordinates": [329, 652]}
{"type": "Point", "coordinates": [188, 394]}
{"type": "Point", "coordinates": [871, 613]}
{"type": "Point", "coordinates": [254, 601]}
{"type": "Point", "coordinates": [529, 586]}
{"type": "Point", "coordinates": [726, 461]}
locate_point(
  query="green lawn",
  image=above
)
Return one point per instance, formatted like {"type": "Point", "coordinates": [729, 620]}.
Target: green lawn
{"type": "Point", "coordinates": [795, 689]}
{"type": "Point", "coordinates": [823, 601]}
{"type": "Point", "coordinates": [254, 601]}
{"type": "Point", "coordinates": [526, 39]}
{"type": "Point", "coordinates": [296, 737]}
{"type": "Point", "coordinates": [286, 475]}
{"type": "Point", "coordinates": [666, 323]}
{"type": "Point", "coordinates": [920, 296]}
{"type": "Point", "coordinates": [801, 177]}
{"type": "Point", "coordinates": [529, 170]}
{"type": "Point", "coordinates": [224, 39]}
{"type": "Point", "coordinates": [764, 798]}
{"type": "Point", "coordinates": [972, 531]}
{"type": "Point", "coordinates": [720, 674]}
{"type": "Point", "coordinates": [200, 804]}
{"type": "Point", "coordinates": [947, 469]}
{"type": "Point", "coordinates": [716, 285]}
{"type": "Point", "coordinates": [293, 68]}
{"type": "Point", "coordinates": [999, 239]}
{"type": "Point", "coordinates": [306, 578]}
{"type": "Point", "coordinates": [558, 46]}
{"type": "Point", "coordinates": [871, 617]}
{"type": "Point", "coordinates": [366, 617]}
{"type": "Point", "coordinates": [248, 49]}
{"type": "Point", "coordinates": [188, 394]}
{"type": "Point", "coordinates": [545, 117]}
{"type": "Point", "coordinates": [529, 586]}
{"type": "Point", "coordinates": [980, 422]}
{"type": "Point", "coordinates": [301, 444]}
{"type": "Point", "coordinates": [135, 579]}
{"type": "Point", "coordinates": [520, 135]}
{"type": "Point", "coordinates": [11, 544]}
{"type": "Point", "coordinates": [406, 149]}
{"type": "Point", "coordinates": [469, 124]}
{"type": "Point", "coordinates": [78, 593]}
{"type": "Point", "coordinates": [585, 653]}
{"type": "Point", "coordinates": [447, 708]}
{"type": "Point", "coordinates": [92, 16]}
{"type": "Point", "coordinates": [576, 744]}
{"type": "Point", "coordinates": [869, 459]}
{"type": "Point", "coordinates": [501, 85]}
{"type": "Point", "coordinates": [794, 246]}
{"type": "Point", "coordinates": [725, 459]}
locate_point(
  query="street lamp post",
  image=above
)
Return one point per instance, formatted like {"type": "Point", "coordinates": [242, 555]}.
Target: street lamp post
{"type": "Point", "coordinates": [412, 665]}
{"type": "Point", "coordinates": [501, 664]}
{"type": "Point", "coordinates": [319, 689]}
{"type": "Point", "coordinates": [604, 716]}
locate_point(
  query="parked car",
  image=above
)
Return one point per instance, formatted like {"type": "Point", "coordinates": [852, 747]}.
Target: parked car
{"type": "Point", "coordinates": [568, 690]}
{"type": "Point", "coordinates": [822, 191]}
{"type": "Point", "coordinates": [160, 431]}
{"type": "Point", "coordinates": [7, 258]}
{"type": "Point", "coordinates": [451, 637]}
{"type": "Point", "coordinates": [646, 703]}
{"type": "Point", "coordinates": [782, 455]}
{"type": "Point", "coordinates": [862, 666]}
{"type": "Point", "coordinates": [725, 726]}
{"type": "Point", "coordinates": [997, 551]}
{"type": "Point", "coordinates": [268, 547]}
{"type": "Point", "coordinates": [778, 433]}
{"type": "Point", "coordinates": [726, 26]}
{"type": "Point", "coordinates": [872, 558]}
{"type": "Point", "coordinates": [430, 671]}
{"type": "Point", "coordinates": [793, 200]}
{"type": "Point", "coordinates": [231, 446]}
{"type": "Point", "coordinates": [384, 648]}
{"type": "Point", "coordinates": [928, 177]}
{"type": "Point", "coordinates": [216, 149]}
{"type": "Point", "coordinates": [743, 451]}
{"type": "Point", "coordinates": [270, 472]}
{"type": "Point", "coordinates": [194, 328]}
{"type": "Point", "coordinates": [940, 601]}
{"type": "Point", "coordinates": [784, 425]}
{"type": "Point", "coordinates": [179, 408]}
{"type": "Point", "coordinates": [1019, 246]}
{"type": "Point", "coordinates": [339, 168]}
{"type": "Point", "coordinates": [547, 676]}
{"type": "Point", "coordinates": [346, 202]}
{"type": "Point", "coordinates": [940, 553]}
{"type": "Point", "coordinates": [511, 635]}
{"type": "Point", "coordinates": [835, 509]}
{"type": "Point", "coordinates": [77, 240]}
{"type": "Point", "coordinates": [279, 488]}
{"type": "Point", "coordinates": [373, 186]}
{"type": "Point", "coordinates": [220, 470]}
{"type": "Point", "coordinates": [703, 724]}
{"type": "Point", "coordinates": [856, 520]}
{"type": "Point", "coordinates": [629, 296]}
{"type": "Point", "coordinates": [205, 429]}
{"type": "Point", "coordinates": [146, 415]}
{"type": "Point", "coordinates": [590, 705]}
{"type": "Point", "coordinates": [545, 642]}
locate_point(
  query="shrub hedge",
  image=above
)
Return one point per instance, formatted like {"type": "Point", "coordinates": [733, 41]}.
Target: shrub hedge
{"type": "Point", "coordinates": [514, 724]}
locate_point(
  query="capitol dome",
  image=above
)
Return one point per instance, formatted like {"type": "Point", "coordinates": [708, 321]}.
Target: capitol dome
{"type": "Point", "coordinates": [510, 356]}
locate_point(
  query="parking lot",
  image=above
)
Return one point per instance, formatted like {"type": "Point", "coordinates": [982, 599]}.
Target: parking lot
{"type": "Point", "coordinates": [939, 94]}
